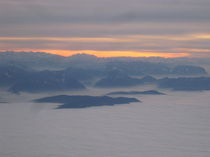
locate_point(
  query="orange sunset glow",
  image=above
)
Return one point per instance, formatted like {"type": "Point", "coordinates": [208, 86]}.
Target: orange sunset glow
{"type": "Point", "coordinates": [117, 53]}
{"type": "Point", "coordinates": [104, 78]}
{"type": "Point", "coordinates": [105, 54]}
{"type": "Point", "coordinates": [139, 45]}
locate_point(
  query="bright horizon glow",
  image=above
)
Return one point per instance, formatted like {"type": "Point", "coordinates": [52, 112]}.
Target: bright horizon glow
{"type": "Point", "coordinates": [118, 53]}
{"type": "Point", "coordinates": [106, 54]}
{"type": "Point", "coordinates": [142, 28]}
{"type": "Point", "coordinates": [145, 42]}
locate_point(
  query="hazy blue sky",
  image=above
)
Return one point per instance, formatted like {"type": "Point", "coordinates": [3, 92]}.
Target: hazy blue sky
{"type": "Point", "coordinates": [107, 26]}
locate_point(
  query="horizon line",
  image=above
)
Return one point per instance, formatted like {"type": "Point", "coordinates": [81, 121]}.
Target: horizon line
{"type": "Point", "coordinates": [105, 54]}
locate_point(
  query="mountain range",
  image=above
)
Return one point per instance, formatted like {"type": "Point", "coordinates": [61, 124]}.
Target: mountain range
{"type": "Point", "coordinates": [41, 72]}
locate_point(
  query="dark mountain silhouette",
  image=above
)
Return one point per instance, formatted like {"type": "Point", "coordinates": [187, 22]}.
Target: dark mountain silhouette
{"type": "Point", "coordinates": [131, 66]}
{"type": "Point", "coordinates": [117, 78]}
{"type": "Point", "coordinates": [32, 60]}
{"type": "Point", "coordinates": [20, 80]}
{"type": "Point", "coordinates": [45, 81]}
{"type": "Point", "coordinates": [83, 74]}
{"type": "Point", "coordinates": [11, 74]}
{"type": "Point", "coordinates": [188, 70]}
{"type": "Point", "coordinates": [85, 101]}
{"type": "Point", "coordinates": [139, 67]}
{"type": "Point", "coordinates": [185, 84]}
{"type": "Point", "coordinates": [85, 61]}
{"type": "Point", "coordinates": [149, 68]}
{"type": "Point", "coordinates": [148, 92]}
{"type": "Point", "coordinates": [23, 72]}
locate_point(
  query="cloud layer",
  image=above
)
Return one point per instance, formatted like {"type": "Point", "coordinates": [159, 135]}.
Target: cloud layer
{"type": "Point", "coordinates": [120, 25]}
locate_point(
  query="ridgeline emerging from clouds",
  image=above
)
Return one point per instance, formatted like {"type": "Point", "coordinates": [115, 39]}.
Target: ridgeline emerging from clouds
{"type": "Point", "coordinates": [42, 60]}
{"type": "Point", "coordinates": [41, 72]}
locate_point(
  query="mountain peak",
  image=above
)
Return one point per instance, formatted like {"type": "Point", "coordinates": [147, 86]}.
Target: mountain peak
{"type": "Point", "coordinates": [83, 56]}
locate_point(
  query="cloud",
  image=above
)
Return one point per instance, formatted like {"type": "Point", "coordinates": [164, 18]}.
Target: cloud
{"type": "Point", "coordinates": [82, 24]}
{"type": "Point", "coordinates": [103, 11]}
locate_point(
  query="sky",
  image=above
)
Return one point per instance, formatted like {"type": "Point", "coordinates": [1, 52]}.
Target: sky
{"type": "Point", "coordinates": [107, 28]}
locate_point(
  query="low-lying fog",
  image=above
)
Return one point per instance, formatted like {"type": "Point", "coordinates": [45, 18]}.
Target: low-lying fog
{"type": "Point", "coordinates": [172, 125]}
